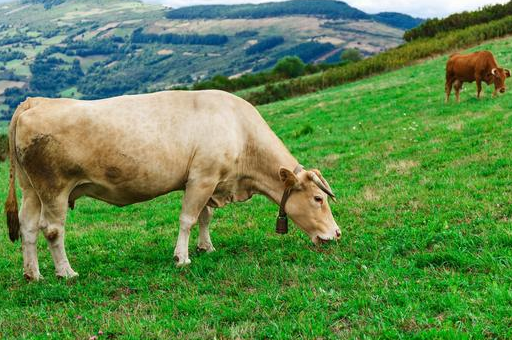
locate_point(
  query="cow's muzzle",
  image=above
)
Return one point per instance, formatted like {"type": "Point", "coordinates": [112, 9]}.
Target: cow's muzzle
{"type": "Point", "coordinates": [502, 90]}
{"type": "Point", "coordinates": [319, 239]}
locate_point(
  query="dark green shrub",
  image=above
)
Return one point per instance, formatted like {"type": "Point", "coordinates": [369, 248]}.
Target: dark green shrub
{"type": "Point", "coordinates": [290, 67]}
{"type": "Point", "coordinates": [351, 55]}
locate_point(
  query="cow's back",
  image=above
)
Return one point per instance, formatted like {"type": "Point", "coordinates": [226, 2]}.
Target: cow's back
{"type": "Point", "coordinates": [146, 141]}
{"type": "Point", "coordinates": [464, 67]}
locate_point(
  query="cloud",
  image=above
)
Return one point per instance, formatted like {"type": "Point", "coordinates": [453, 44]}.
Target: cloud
{"type": "Point", "coordinates": [418, 8]}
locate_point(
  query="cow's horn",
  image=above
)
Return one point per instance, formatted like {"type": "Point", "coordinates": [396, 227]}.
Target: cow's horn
{"type": "Point", "coordinates": [322, 184]}
{"type": "Point", "coordinates": [494, 71]}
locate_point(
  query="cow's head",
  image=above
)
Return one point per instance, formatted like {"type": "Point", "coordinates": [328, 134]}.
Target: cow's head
{"type": "Point", "coordinates": [499, 75]}
{"type": "Point", "coordinates": [308, 205]}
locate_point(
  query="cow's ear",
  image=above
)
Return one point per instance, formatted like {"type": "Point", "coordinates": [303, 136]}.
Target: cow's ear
{"type": "Point", "coordinates": [507, 72]}
{"type": "Point", "coordinates": [288, 177]}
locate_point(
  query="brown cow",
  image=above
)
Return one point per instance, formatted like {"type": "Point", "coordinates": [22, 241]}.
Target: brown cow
{"type": "Point", "coordinates": [478, 66]}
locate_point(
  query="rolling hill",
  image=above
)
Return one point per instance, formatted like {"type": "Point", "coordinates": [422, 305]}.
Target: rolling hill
{"type": "Point", "coordinates": [329, 9]}
{"type": "Point", "coordinates": [424, 207]}
{"type": "Point", "coordinates": [124, 46]}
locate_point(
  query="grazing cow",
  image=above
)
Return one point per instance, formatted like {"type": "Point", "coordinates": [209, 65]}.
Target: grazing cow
{"type": "Point", "coordinates": [123, 150]}
{"type": "Point", "coordinates": [478, 66]}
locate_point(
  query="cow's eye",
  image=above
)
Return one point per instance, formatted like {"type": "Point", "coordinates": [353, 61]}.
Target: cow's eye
{"type": "Point", "coordinates": [319, 199]}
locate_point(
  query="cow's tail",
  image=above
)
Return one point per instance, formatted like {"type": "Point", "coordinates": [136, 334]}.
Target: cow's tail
{"type": "Point", "coordinates": [11, 205]}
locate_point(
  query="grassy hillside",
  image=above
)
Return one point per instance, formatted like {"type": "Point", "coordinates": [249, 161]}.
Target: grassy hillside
{"type": "Point", "coordinates": [425, 208]}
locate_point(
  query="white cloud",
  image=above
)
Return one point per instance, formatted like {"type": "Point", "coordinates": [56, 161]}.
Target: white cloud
{"type": "Point", "coordinates": [418, 8]}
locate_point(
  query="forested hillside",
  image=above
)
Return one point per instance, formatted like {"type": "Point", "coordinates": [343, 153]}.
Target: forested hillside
{"type": "Point", "coordinates": [329, 9]}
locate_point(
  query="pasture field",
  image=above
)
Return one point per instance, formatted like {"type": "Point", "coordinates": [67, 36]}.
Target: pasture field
{"type": "Point", "coordinates": [425, 208]}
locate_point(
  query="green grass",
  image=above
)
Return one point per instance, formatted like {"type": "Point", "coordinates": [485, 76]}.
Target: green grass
{"type": "Point", "coordinates": [425, 207]}
{"type": "Point", "coordinates": [54, 40]}
{"type": "Point", "coordinates": [19, 67]}
{"type": "Point", "coordinates": [71, 92]}
{"type": "Point", "coordinates": [4, 126]}
{"type": "Point", "coordinates": [64, 57]}
{"type": "Point", "coordinates": [86, 62]}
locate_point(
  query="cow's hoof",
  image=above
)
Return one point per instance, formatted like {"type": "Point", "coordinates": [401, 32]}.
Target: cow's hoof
{"type": "Point", "coordinates": [33, 277]}
{"type": "Point", "coordinates": [181, 262]}
{"type": "Point", "coordinates": [205, 248]}
{"type": "Point", "coordinates": [67, 273]}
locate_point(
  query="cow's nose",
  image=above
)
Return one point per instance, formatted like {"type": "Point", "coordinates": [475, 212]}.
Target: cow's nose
{"type": "Point", "coordinates": [338, 233]}
{"type": "Point", "coordinates": [502, 90]}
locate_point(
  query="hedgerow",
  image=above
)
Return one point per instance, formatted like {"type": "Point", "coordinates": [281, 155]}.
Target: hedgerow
{"type": "Point", "coordinates": [432, 27]}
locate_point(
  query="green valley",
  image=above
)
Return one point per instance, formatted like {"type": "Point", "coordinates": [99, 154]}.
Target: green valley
{"type": "Point", "coordinates": [126, 46]}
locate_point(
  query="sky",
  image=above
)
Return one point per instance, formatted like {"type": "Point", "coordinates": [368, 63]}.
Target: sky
{"type": "Point", "coordinates": [417, 8]}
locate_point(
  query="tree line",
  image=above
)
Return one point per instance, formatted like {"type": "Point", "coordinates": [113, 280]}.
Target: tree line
{"type": "Point", "coordinates": [327, 8]}
{"type": "Point", "coordinates": [46, 3]}
{"type": "Point", "coordinates": [6, 56]}
{"type": "Point", "coordinates": [432, 27]}
{"type": "Point", "coordinates": [138, 36]}
{"type": "Point", "coordinates": [264, 45]}
{"type": "Point", "coordinates": [288, 67]}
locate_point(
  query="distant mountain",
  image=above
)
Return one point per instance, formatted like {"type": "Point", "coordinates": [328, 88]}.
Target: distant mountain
{"type": "Point", "coordinates": [398, 20]}
{"type": "Point", "coordinates": [328, 9]}
{"type": "Point", "coordinates": [46, 3]}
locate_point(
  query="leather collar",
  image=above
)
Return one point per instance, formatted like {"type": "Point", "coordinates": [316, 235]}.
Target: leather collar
{"type": "Point", "coordinates": [282, 218]}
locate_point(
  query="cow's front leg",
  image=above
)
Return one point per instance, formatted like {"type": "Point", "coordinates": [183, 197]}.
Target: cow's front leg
{"type": "Point", "coordinates": [29, 227]}
{"type": "Point", "coordinates": [197, 193]}
{"type": "Point", "coordinates": [478, 87]}
{"type": "Point", "coordinates": [52, 224]}
{"type": "Point", "coordinates": [204, 243]}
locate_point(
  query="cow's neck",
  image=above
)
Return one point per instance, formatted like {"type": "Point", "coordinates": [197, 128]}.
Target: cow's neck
{"type": "Point", "coordinates": [262, 166]}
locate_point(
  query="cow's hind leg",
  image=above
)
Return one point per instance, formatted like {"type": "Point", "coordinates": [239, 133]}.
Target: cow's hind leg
{"type": "Point", "coordinates": [197, 194]}
{"type": "Point", "coordinates": [448, 89]}
{"type": "Point", "coordinates": [29, 227]}
{"type": "Point", "coordinates": [204, 243]}
{"type": "Point", "coordinates": [53, 217]}
{"type": "Point", "coordinates": [458, 87]}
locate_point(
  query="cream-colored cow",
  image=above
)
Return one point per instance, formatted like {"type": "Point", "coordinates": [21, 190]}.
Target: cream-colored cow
{"type": "Point", "coordinates": [130, 149]}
